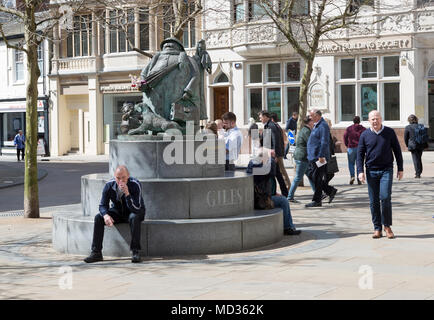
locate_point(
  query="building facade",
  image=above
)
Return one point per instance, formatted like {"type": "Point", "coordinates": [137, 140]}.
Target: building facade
{"type": "Point", "coordinates": [91, 69]}
{"type": "Point", "coordinates": [386, 63]}
{"type": "Point", "coordinates": [13, 92]}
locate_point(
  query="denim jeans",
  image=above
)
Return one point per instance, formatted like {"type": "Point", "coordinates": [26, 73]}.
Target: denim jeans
{"type": "Point", "coordinates": [380, 191]}
{"type": "Point", "coordinates": [300, 171]}
{"type": "Point", "coordinates": [282, 202]}
{"type": "Point", "coordinates": [352, 157]}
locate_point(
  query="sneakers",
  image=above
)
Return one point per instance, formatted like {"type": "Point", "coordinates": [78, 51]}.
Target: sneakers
{"type": "Point", "coordinates": [94, 257]}
{"type": "Point", "coordinates": [136, 257]}
{"type": "Point", "coordinates": [352, 180]}
{"type": "Point", "coordinates": [293, 200]}
{"type": "Point", "coordinates": [332, 195]}
{"type": "Point", "coordinates": [313, 204]}
{"type": "Point", "coordinates": [291, 232]}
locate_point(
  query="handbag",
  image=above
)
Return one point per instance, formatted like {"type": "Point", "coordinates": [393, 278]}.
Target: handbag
{"type": "Point", "coordinates": [332, 165]}
{"type": "Point", "coordinates": [262, 200]}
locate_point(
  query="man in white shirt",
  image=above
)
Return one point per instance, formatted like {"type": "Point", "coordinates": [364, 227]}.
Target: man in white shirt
{"type": "Point", "coordinates": [233, 139]}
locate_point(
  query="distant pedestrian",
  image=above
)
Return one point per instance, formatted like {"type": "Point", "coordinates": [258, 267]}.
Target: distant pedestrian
{"type": "Point", "coordinates": [351, 141]}
{"type": "Point", "coordinates": [300, 157]}
{"type": "Point", "coordinates": [211, 127]}
{"type": "Point", "coordinates": [254, 139]}
{"type": "Point", "coordinates": [19, 142]}
{"type": "Point", "coordinates": [318, 153]}
{"type": "Point", "coordinates": [332, 165]}
{"type": "Point", "coordinates": [375, 151]}
{"type": "Point", "coordinates": [415, 138]}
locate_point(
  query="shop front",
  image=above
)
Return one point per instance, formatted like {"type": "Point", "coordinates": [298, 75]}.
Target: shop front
{"type": "Point", "coordinates": [13, 118]}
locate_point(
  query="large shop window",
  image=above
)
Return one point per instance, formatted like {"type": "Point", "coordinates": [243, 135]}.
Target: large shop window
{"type": "Point", "coordinates": [113, 104]}
{"type": "Point", "coordinates": [369, 83]}
{"type": "Point", "coordinates": [273, 86]}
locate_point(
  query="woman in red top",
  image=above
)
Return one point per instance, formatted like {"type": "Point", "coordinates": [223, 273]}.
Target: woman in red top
{"type": "Point", "coordinates": [351, 140]}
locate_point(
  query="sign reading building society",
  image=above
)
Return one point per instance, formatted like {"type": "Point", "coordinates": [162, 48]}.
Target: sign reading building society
{"type": "Point", "coordinates": [374, 45]}
{"type": "Point", "coordinates": [118, 88]}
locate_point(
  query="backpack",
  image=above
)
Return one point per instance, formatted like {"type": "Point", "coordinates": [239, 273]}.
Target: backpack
{"type": "Point", "coordinates": [420, 135]}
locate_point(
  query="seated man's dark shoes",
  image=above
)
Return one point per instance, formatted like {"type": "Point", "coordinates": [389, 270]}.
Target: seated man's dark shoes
{"type": "Point", "coordinates": [332, 195]}
{"type": "Point", "coordinates": [291, 232]}
{"type": "Point", "coordinates": [136, 257]}
{"type": "Point", "coordinates": [94, 257]}
{"type": "Point", "coordinates": [313, 204]}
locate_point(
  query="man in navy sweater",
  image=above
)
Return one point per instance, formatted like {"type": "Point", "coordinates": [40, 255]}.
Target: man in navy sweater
{"type": "Point", "coordinates": [375, 150]}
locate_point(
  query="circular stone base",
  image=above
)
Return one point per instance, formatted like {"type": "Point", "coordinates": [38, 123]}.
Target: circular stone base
{"type": "Point", "coordinates": [73, 232]}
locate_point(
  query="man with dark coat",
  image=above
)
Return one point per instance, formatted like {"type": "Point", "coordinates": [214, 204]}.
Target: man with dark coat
{"type": "Point", "coordinates": [125, 193]}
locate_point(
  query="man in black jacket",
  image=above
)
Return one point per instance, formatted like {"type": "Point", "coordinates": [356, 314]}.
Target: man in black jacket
{"type": "Point", "coordinates": [125, 193]}
{"type": "Point", "coordinates": [276, 145]}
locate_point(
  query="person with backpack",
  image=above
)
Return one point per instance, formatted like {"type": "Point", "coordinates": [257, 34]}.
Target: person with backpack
{"type": "Point", "coordinates": [416, 140]}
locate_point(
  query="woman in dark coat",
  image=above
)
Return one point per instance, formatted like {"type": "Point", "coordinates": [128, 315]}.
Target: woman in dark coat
{"type": "Point", "coordinates": [415, 148]}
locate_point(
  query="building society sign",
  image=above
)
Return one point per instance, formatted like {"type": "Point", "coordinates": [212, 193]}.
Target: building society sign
{"type": "Point", "coordinates": [365, 45]}
{"type": "Point", "coordinates": [317, 96]}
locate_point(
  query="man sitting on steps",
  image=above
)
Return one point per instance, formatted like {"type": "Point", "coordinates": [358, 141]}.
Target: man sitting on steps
{"type": "Point", "coordinates": [125, 193]}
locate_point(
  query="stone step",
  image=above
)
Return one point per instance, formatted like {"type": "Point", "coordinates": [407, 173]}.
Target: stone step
{"type": "Point", "coordinates": [72, 233]}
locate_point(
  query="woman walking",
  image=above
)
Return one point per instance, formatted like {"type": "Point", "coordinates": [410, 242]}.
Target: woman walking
{"type": "Point", "coordinates": [300, 157]}
{"type": "Point", "coordinates": [414, 142]}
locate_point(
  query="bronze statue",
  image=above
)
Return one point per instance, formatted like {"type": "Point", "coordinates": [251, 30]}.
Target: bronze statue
{"type": "Point", "coordinates": [173, 88]}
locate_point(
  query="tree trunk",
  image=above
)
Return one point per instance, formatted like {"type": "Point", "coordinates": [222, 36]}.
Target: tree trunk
{"type": "Point", "coordinates": [31, 194]}
{"type": "Point", "coordinates": [304, 90]}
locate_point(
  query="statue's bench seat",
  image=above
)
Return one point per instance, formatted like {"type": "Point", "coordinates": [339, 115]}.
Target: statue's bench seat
{"type": "Point", "coordinates": [72, 233]}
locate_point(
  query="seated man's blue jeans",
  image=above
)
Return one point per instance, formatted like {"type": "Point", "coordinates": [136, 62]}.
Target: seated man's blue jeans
{"type": "Point", "coordinates": [300, 170]}
{"type": "Point", "coordinates": [380, 191]}
{"type": "Point", "coordinates": [352, 157]}
{"type": "Point", "coordinates": [282, 202]}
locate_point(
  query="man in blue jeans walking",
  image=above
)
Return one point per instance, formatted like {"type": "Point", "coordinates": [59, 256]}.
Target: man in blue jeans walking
{"type": "Point", "coordinates": [375, 151]}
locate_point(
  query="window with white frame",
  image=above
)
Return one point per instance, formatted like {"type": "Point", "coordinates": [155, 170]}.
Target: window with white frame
{"type": "Point", "coordinates": [189, 32]}
{"type": "Point", "coordinates": [273, 86]}
{"type": "Point", "coordinates": [41, 58]}
{"type": "Point", "coordinates": [369, 83]}
{"type": "Point", "coordinates": [300, 8]}
{"type": "Point", "coordinates": [239, 11]}
{"type": "Point", "coordinates": [19, 65]}
{"type": "Point", "coordinates": [144, 28]}
{"type": "Point", "coordinates": [79, 41]}
{"type": "Point", "coordinates": [121, 30]}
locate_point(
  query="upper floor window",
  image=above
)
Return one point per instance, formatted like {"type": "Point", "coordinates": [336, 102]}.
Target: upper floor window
{"type": "Point", "coordinates": [19, 65]}
{"type": "Point", "coordinates": [121, 30]}
{"type": "Point", "coordinates": [300, 8]}
{"type": "Point", "coordinates": [189, 31]}
{"type": "Point", "coordinates": [144, 28]}
{"type": "Point", "coordinates": [79, 41]}
{"type": "Point", "coordinates": [356, 4]}
{"type": "Point", "coordinates": [41, 58]}
{"type": "Point", "coordinates": [239, 11]}
{"type": "Point", "coordinates": [421, 3]}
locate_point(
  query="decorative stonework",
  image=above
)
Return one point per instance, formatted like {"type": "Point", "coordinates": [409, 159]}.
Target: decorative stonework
{"type": "Point", "coordinates": [219, 38]}
{"type": "Point", "coordinates": [261, 33]}
{"type": "Point", "coordinates": [425, 21]}
{"type": "Point", "coordinates": [402, 23]}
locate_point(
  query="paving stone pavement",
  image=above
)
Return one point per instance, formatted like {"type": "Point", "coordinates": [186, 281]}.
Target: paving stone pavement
{"type": "Point", "coordinates": [333, 258]}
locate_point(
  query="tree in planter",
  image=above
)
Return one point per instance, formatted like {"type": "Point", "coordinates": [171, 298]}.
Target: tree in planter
{"type": "Point", "coordinates": [304, 23]}
{"type": "Point", "coordinates": [37, 20]}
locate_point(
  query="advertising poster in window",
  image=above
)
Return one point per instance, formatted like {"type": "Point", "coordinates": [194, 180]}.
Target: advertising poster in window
{"type": "Point", "coordinates": [369, 99]}
{"type": "Point", "coordinates": [273, 101]}
{"type": "Point", "coordinates": [41, 124]}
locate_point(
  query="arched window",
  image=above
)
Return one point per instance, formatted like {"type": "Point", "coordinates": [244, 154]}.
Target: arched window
{"type": "Point", "coordinates": [431, 71]}
{"type": "Point", "coordinates": [221, 78]}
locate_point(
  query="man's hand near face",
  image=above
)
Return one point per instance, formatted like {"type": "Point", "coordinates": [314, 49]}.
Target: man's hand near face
{"type": "Point", "coordinates": [123, 186]}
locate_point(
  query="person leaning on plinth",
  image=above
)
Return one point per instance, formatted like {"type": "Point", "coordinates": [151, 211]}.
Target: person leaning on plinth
{"type": "Point", "coordinates": [125, 193]}
{"type": "Point", "coordinates": [375, 151]}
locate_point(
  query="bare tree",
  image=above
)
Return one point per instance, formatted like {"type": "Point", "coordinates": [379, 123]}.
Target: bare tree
{"type": "Point", "coordinates": [37, 20]}
{"type": "Point", "coordinates": [304, 23]}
